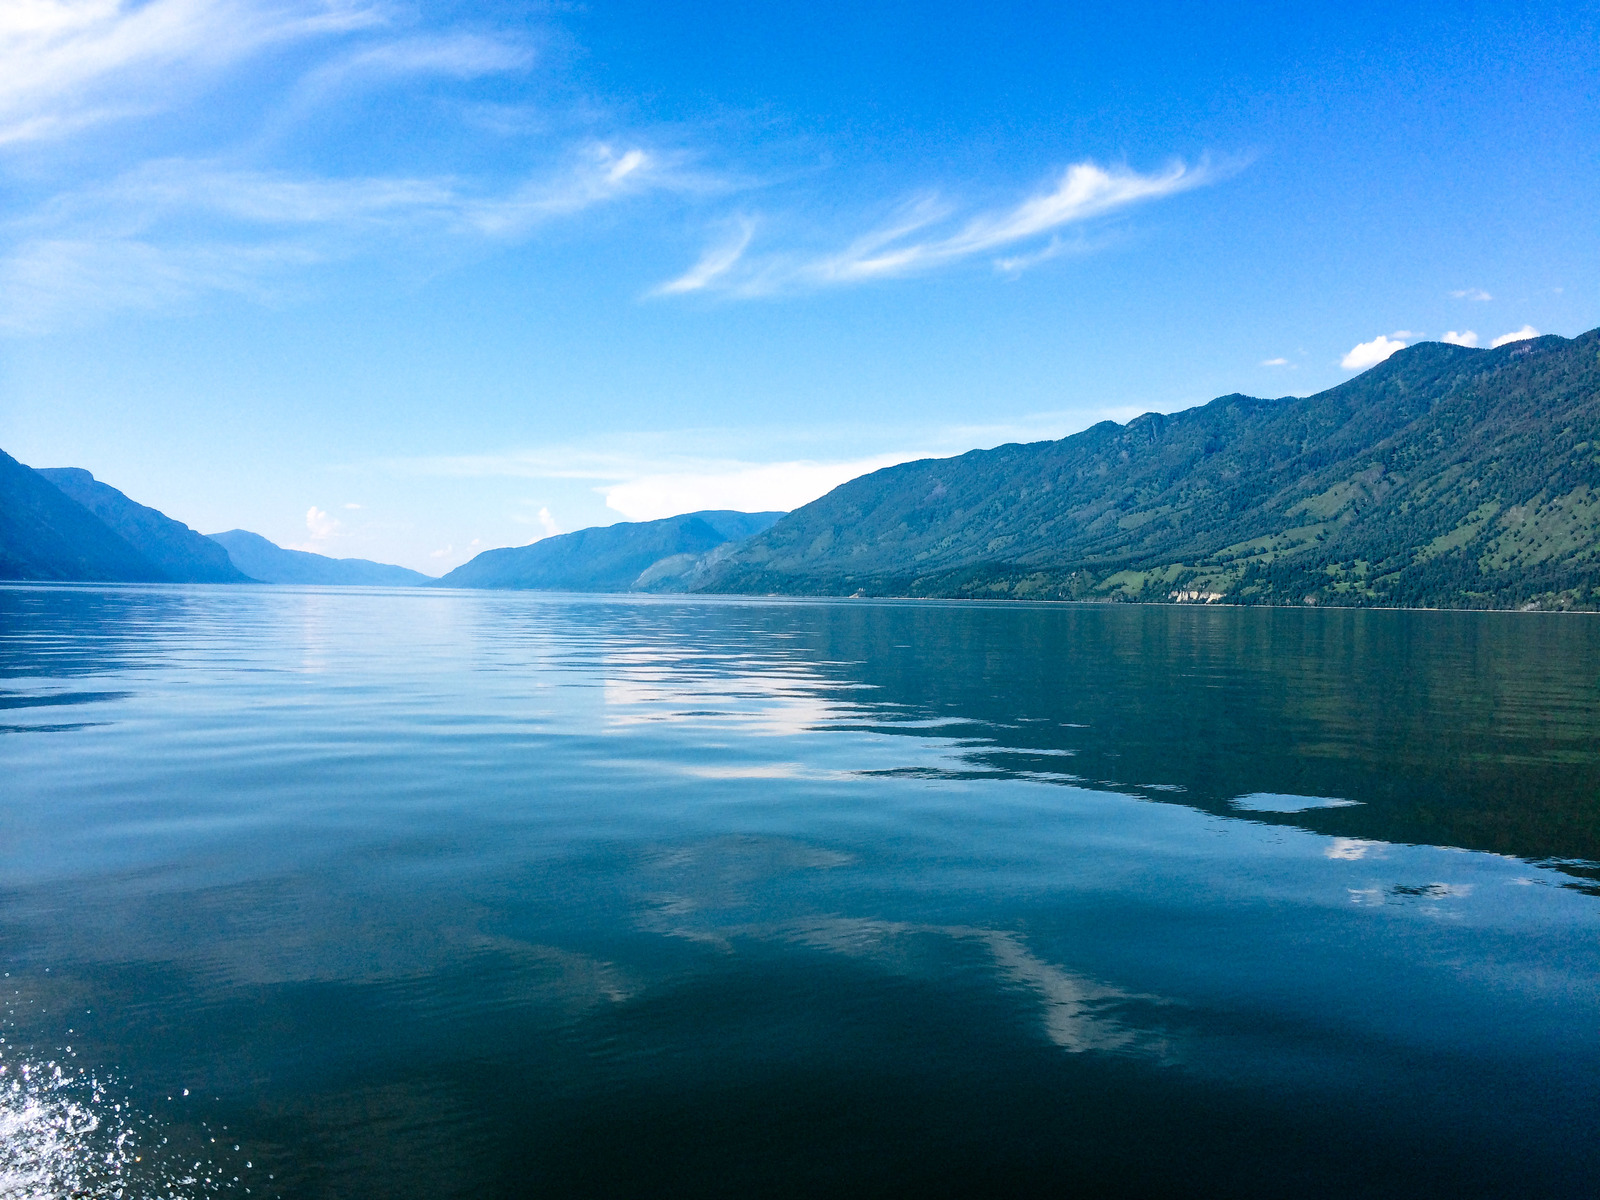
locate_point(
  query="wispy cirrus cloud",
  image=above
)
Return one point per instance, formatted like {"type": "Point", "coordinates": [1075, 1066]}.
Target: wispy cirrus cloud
{"type": "Point", "coordinates": [174, 229]}
{"type": "Point", "coordinates": [461, 55]}
{"type": "Point", "coordinates": [918, 238]}
{"type": "Point", "coordinates": [68, 64]}
{"type": "Point", "coordinates": [54, 281]}
{"type": "Point", "coordinates": [715, 263]}
{"type": "Point", "coordinates": [147, 235]}
{"type": "Point", "coordinates": [378, 62]}
{"type": "Point", "coordinates": [196, 221]}
{"type": "Point", "coordinates": [593, 174]}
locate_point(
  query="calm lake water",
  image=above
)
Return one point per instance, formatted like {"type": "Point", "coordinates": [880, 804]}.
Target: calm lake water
{"type": "Point", "coordinates": [359, 893]}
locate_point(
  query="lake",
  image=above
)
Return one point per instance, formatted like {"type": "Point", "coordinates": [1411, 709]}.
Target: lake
{"type": "Point", "coordinates": [362, 893]}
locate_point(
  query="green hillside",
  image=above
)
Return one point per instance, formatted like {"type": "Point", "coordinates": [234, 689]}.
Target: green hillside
{"type": "Point", "coordinates": [1443, 477]}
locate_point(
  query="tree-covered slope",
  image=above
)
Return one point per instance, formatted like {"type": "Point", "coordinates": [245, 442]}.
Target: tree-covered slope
{"type": "Point", "coordinates": [45, 534]}
{"type": "Point", "coordinates": [1444, 476]}
{"type": "Point", "coordinates": [609, 558]}
{"type": "Point", "coordinates": [181, 554]}
{"type": "Point", "coordinates": [269, 562]}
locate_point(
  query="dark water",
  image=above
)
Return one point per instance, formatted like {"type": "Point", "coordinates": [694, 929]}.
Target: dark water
{"type": "Point", "coordinates": [371, 894]}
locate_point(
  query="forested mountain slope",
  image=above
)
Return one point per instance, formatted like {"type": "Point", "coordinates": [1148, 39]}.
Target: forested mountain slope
{"type": "Point", "coordinates": [1444, 476]}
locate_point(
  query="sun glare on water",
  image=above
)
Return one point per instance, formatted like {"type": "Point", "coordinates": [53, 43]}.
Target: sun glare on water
{"type": "Point", "coordinates": [63, 1134]}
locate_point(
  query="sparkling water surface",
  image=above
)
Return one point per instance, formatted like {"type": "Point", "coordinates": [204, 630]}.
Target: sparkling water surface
{"type": "Point", "coordinates": [360, 893]}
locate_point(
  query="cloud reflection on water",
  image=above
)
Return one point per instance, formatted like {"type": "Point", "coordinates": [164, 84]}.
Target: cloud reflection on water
{"type": "Point", "coordinates": [714, 885]}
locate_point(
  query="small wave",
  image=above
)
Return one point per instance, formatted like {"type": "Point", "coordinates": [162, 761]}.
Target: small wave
{"type": "Point", "coordinates": [53, 1142]}
{"type": "Point", "coordinates": [65, 1136]}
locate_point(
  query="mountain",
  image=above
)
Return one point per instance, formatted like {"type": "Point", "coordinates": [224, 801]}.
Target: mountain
{"type": "Point", "coordinates": [1445, 476]}
{"type": "Point", "coordinates": [178, 552]}
{"type": "Point", "coordinates": [45, 534]}
{"type": "Point", "coordinates": [610, 558]}
{"type": "Point", "coordinates": [271, 563]}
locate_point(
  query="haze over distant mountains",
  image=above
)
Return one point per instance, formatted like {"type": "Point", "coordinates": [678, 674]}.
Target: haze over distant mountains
{"type": "Point", "coordinates": [177, 551]}
{"type": "Point", "coordinates": [268, 562]}
{"type": "Point", "coordinates": [1444, 476]}
{"type": "Point", "coordinates": [46, 534]}
{"type": "Point", "coordinates": [611, 558]}
{"type": "Point", "coordinates": [62, 524]}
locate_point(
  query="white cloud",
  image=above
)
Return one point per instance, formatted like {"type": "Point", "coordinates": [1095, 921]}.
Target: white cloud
{"type": "Point", "coordinates": [747, 487]}
{"type": "Point", "coordinates": [644, 485]}
{"type": "Point", "coordinates": [1472, 294]}
{"type": "Point", "coordinates": [1517, 335]}
{"type": "Point", "coordinates": [1276, 362]}
{"type": "Point", "coordinates": [1083, 191]}
{"type": "Point", "coordinates": [1370, 354]}
{"type": "Point", "coordinates": [320, 523]}
{"type": "Point", "coordinates": [548, 523]}
{"type": "Point", "coordinates": [647, 475]}
{"type": "Point", "coordinates": [321, 526]}
{"type": "Point", "coordinates": [1465, 338]}
{"type": "Point", "coordinates": [624, 456]}
{"type": "Point", "coordinates": [66, 64]}
{"type": "Point", "coordinates": [1407, 335]}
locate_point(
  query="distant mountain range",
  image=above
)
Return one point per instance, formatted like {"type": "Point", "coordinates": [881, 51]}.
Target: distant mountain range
{"type": "Point", "coordinates": [63, 524]}
{"type": "Point", "coordinates": [178, 552]}
{"type": "Point", "coordinates": [268, 562]}
{"type": "Point", "coordinates": [46, 534]}
{"type": "Point", "coordinates": [1444, 477]}
{"type": "Point", "coordinates": [630, 555]}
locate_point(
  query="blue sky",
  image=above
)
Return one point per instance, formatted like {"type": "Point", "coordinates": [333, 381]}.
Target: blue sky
{"type": "Point", "coordinates": [407, 281]}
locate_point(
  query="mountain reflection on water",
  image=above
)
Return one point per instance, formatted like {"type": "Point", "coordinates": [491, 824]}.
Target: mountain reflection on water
{"type": "Point", "coordinates": [1478, 730]}
{"type": "Point", "coordinates": [370, 893]}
